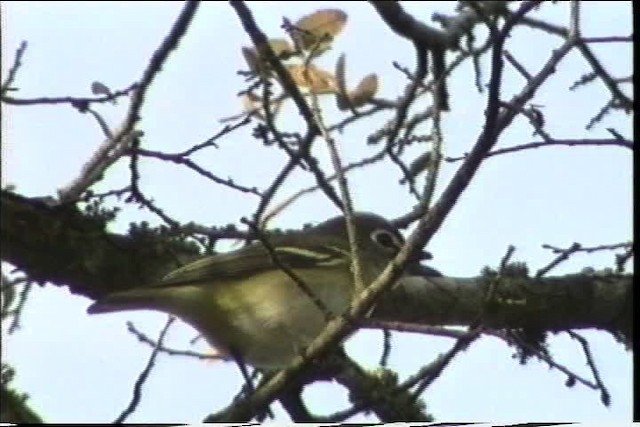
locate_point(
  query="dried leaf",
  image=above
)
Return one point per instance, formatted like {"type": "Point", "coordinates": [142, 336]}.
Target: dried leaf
{"type": "Point", "coordinates": [252, 59]}
{"type": "Point", "coordinates": [365, 91]}
{"type": "Point", "coordinates": [316, 31]}
{"type": "Point", "coordinates": [258, 64]}
{"type": "Point", "coordinates": [252, 105]}
{"type": "Point", "coordinates": [275, 106]}
{"type": "Point", "coordinates": [342, 100]}
{"type": "Point", "coordinates": [98, 88]}
{"type": "Point", "coordinates": [313, 79]}
{"type": "Point", "coordinates": [282, 48]}
{"type": "Point", "coordinates": [418, 165]}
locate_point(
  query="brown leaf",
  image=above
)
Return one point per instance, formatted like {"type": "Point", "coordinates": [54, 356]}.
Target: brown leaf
{"type": "Point", "coordinates": [317, 30]}
{"type": "Point", "coordinates": [99, 88]}
{"type": "Point", "coordinates": [282, 48]}
{"type": "Point", "coordinates": [252, 59]}
{"type": "Point", "coordinates": [313, 79]}
{"type": "Point", "coordinates": [258, 63]}
{"type": "Point", "coordinates": [418, 165]}
{"type": "Point", "coordinates": [252, 105]}
{"type": "Point", "coordinates": [342, 100]}
{"type": "Point", "coordinates": [365, 91]}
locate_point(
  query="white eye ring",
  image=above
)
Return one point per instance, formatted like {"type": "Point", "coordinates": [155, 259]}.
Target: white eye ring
{"type": "Point", "coordinates": [386, 240]}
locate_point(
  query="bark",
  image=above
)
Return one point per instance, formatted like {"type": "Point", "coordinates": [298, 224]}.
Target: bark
{"type": "Point", "coordinates": [574, 301]}
{"type": "Point", "coordinates": [64, 247]}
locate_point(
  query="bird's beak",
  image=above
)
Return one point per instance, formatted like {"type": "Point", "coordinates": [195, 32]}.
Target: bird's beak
{"type": "Point", "coordinates": [421, 256]}
{"type": "Point", "coordinates": [416, 269]}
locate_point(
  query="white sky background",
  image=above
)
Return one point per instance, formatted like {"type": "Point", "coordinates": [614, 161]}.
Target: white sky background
{"type": "Point", "coordinates": [80, 368]}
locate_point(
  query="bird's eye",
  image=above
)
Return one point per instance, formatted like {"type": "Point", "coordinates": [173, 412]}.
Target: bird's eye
{"type": "Point", "coordinates": [386, 239]}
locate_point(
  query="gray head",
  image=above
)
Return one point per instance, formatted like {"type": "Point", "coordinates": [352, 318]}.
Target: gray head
{"type": "Point", "coordinates": [370, 229]}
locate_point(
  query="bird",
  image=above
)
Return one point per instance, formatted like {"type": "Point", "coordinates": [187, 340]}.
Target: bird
{"type": "Point", "coordinates": [247, 307]}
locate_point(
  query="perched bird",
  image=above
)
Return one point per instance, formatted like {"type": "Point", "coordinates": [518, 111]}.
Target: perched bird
{"type": "Point", "coordinates": [248, 307]}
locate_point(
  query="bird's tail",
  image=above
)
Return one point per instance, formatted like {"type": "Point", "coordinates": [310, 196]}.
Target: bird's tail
{"type": "Point", "coordinates": [129, 300]}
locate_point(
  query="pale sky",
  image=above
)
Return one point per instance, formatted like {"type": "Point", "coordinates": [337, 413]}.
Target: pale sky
{"type": "Point", "coordinates": [81, 368]}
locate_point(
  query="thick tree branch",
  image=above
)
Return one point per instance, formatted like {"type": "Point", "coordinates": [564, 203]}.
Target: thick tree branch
{"type": "Point", "coordinates": [405, 25]}
{"type": "Point", "coordinates": [550, 304]}
{"type": "Point", "coordinates": [62, 246]}
{"type": "Point", "coordinates": [59, 244]}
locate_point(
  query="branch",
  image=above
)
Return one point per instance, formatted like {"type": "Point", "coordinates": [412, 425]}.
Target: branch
{"type": "Point", "coordinates": [408, 27]}
{"type": "Point", "coordinates": [60, 246]}
{"type": "Point", "coordinates": [17, 63]}
{"type": "Point", "coordinates": [144, 375]}
{"type": "Point", "coordinates": [288, 84]}
{"type": "Point", "coordinates": [549, 304]}
{"type": "Point", "coordinates": [262, 45]}
{"type": "Point", "coordinates": [563, 32]}
{"type": "Point", "coordinates": [79, 103]}
{"type": "Point", "coordinates": [183, 160]}
{"type": "Point", "coordinates": [552, 143]}
{"type": "Point", "coordinates": [113, 148]}
{"type": "Point", "coordinates": [339, 328]}
{"type": "Point", "coordinates": [496, 121]}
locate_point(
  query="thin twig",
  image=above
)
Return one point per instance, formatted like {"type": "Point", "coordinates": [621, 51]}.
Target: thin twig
{"type": "Point", "coordinates": [19, 308]}
{"type": "Point", "coordinates": [410, 95]}
{"type": "Point", "coordinates": [605, 396]}
{"type": "Point", "coordinates": [434, 163]}
{"type": "Point", "coordinates": [386, 347]}
{"type": "Point", "coordinates": [291, 199]}
{"type": "Point", "coordinates": [544, 357]}
{"type": "Point", "coordinates": [495, 122]}
{"type": "Point", "coordinates": [101, 122]}
{"type": "Point", "coordinates": [553, 143]}
{"type": "Point", "coordinates": [609, 39]}
{"type": "Point", "coordinates": [625, 101]}
{"type": "Point", "coordinates": [142, 378]}
{"type": "Point", "coordinates": [517, 65]}
{"type": "Point", "coordinates": [563, 256]}
{"type": "Point", "coordinates": [428, 374]}
{"type": "Point", "coordinates": [288, 84]}
{"type": "Point", "coordinates": [211, 142]}
{"type": "Point", "coordinates": [580, 248]}
{"type": "Point", "coordinates": [262, 45]}
{"type": "Point", "coordinates": [338, 328]}
{"type": "Point", "coordinates": [574, 19]}
{"type": "Point", "coordinates": [142, 337]}
{"type": "Point", "coordinates": [136, 193]}
{"type": "Point", "coordinates": [181, 160]}
{"type": "Point", "coordinates": [347, 203]}
{"type": "Point", "coordinates": [419, 117]}
{"type": "Point", "coordinates": [77, 102]}
{"type": "Point", "coordinates": [112, 149]}
{"type": "Point", "coordinates": [17, 63]}
{"type": "Point", "coordinates": [418, 328]}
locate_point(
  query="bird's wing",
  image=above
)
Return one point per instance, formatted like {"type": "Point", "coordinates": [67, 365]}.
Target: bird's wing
{"type": "Point", "coordinates": [255, 258]}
